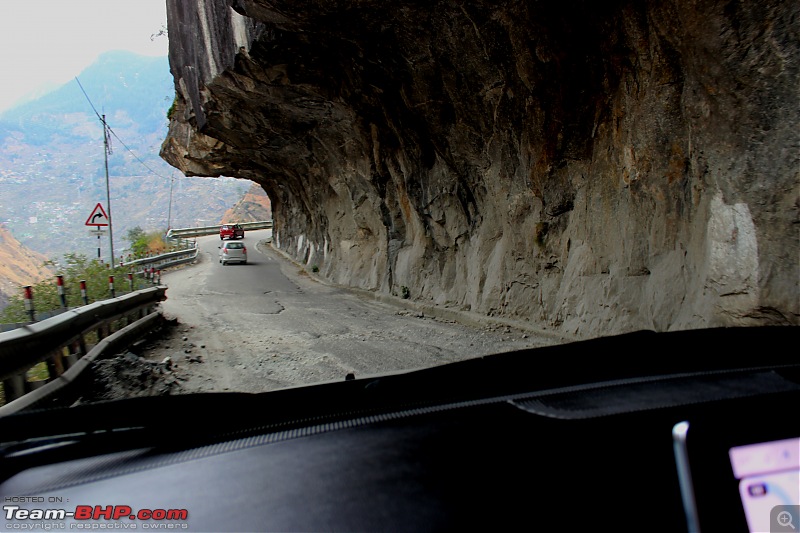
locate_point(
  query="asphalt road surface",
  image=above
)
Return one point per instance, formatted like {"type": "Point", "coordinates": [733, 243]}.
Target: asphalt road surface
{"type": "Point", "coordinates": [269, 324]}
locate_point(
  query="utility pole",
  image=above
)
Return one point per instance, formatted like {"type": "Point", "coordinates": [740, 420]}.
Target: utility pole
{"type": "Point", "coordinates": [108, 190]}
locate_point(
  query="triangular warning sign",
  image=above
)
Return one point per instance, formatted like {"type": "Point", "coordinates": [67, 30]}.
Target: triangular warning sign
{"type": "Point", "coordinates": [98, 217]}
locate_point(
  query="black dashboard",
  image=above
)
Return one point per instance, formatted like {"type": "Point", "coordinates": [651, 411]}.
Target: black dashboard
{"type": "Point", "coordinates": [629, 433]}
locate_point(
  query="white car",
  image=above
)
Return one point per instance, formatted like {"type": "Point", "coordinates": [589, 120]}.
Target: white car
{"type": "Point", "coordinates": [234, 251]}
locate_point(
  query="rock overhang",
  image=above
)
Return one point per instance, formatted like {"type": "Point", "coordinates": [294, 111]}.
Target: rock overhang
{"type": "Point", "coordinates": [563, 163]}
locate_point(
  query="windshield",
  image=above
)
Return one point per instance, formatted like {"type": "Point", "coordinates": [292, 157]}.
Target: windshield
{"type": "Point", "coordinates": [416, 187]}
{"type": "Point", "coordinates": [352, 265]}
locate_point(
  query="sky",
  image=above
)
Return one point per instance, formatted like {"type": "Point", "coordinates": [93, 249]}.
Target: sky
{"type": "Point", "coordinates": [46, 43]}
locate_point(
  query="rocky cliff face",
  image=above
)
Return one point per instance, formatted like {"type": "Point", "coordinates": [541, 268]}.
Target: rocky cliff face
{"type": "Point", "coordinates": [596, 167]}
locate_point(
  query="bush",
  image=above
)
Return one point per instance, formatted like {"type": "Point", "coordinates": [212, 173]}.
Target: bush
{"type": "Point", "coordinates": [143, 243]}
{"type": "Point", "coordinates": [74, 268]}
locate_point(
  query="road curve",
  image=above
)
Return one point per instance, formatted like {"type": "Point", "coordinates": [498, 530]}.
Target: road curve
{"type": "Point", "coordinates": [268, 325]}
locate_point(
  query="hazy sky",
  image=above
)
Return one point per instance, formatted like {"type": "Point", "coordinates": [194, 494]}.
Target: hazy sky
{"type": "Point", "coordinates": [49, 42]}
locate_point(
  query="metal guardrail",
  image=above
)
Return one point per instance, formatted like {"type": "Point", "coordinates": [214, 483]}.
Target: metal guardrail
{"type": "Point", "coordinates": [40, 315]}
{"type": "Point", "coordinates": [211, 230]}
{"type": "Point", "coordinates": [166, 260]}
{"type": "Point", "coordinates": [61, 341]}
{"type": "Point", "coordinates": [71, 376]}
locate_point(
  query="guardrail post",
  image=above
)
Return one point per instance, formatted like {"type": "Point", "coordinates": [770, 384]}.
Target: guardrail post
{"type": "Point", "coordinates": [76, 350]}
{"type": "Point", "coordinates": [111, 287]}
{"type": "Point", "coordinates": [33, 385]}
{"type": "Point", "coordinates": [84, 295]}
{"type": "Point", "coordinates": [14, 387]}
{"type": "Point", "coordinates": [29, 302]}
{"type": "Point", "coordinates": [55, 364]}
{"type": "Point", "coordinates": [60, 286]}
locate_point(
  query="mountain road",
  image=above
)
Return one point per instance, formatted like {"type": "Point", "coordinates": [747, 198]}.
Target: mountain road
{"type": "Point", "coordinates": [271, 324]}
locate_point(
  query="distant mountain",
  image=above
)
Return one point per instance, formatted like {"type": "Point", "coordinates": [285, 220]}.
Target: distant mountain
{"type": "Point", "coordinates": [133, 91]}
{"type": "Point", "coordinates": [52, 170]}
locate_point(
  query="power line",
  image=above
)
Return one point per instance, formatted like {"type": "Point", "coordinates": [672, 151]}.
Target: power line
{"type": "Point", "coordinates": [134, 155]}
{"type": "Point", "coordinates": [105, 125]}
{"type": "Point", "coordinates": [88, 99]}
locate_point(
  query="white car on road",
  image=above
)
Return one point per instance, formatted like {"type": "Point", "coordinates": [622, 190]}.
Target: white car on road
{"type": "Point", "coordinates": [232, 251]}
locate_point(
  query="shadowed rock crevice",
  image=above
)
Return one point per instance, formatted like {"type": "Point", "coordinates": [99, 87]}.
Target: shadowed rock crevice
{"type": "Point", "coordinates": [595, 167]}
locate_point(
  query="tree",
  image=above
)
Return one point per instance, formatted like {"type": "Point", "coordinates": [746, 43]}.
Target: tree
{"type": "Point", "coordinates": [143, 243]}
{"type": "Point", "coordinates": [134, 234]}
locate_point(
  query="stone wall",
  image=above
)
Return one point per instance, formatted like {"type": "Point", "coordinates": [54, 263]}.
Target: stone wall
{"type": "Point", "coordinates": [595, 167]}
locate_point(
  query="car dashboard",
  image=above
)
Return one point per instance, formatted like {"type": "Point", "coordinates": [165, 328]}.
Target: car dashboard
{"type": "Point", "coordinates": [581, 436]}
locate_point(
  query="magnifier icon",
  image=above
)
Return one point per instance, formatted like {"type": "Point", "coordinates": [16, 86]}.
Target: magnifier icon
{"type": "Point", "coordinates": [785, 519]}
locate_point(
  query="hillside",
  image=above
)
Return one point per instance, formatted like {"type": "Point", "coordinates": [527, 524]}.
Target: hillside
{"type": "Point", "coordinates": [253, 207]}
{"type": "Point", "coordinates": [52, 169]}
{"type": "Point", "coordinates": [18, 266]}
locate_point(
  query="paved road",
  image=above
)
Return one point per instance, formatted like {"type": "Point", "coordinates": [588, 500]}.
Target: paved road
{"type": "Point", "coordinates": [269, 325]}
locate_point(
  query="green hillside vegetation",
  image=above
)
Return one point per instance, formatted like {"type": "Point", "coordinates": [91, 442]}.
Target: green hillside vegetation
{"type": "Point", "coordinates": [77, 267]}
{"type": "Point", "coordinates": [144, 243]}
{"type": "Point", "coordinates": [74, 268]}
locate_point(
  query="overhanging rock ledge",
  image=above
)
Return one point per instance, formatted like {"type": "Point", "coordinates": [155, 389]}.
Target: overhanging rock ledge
{"type": "Point", "coordinates": [590, 167]}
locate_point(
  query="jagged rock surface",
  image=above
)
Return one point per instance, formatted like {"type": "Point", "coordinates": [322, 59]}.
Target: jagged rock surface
{"type": "Point", "coordinates": [597, 167]}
